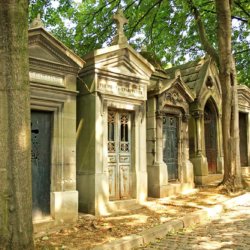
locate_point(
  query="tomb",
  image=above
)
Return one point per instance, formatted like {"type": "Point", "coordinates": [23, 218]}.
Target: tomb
{"type": "Point", "coordinates": [205, 131]}
{"type": "Point", "coordinates": [53, 70]}
{"type": "Point", "coordinates": [169, 168]}
{"type": "Point", "coordinates": [111, 127]}
{"type": "Point", "coordinates": [244, 129]}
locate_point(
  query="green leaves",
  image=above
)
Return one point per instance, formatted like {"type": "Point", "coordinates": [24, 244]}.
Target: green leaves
{"type": "Point", "coordinates": [165, 27]}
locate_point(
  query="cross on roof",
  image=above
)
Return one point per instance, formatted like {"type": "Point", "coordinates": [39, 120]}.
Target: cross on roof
{"type": "Point", "coordinates": [120, 20]}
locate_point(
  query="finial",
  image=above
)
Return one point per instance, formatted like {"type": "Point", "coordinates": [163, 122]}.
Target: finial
{"type": "Point", "coordinates": [120, 21]}
{"type": "Point", "coordinates": [37, 22]}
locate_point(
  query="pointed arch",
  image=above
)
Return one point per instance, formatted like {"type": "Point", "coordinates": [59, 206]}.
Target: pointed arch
{"type": "Point", "coordinates": [211, 134]}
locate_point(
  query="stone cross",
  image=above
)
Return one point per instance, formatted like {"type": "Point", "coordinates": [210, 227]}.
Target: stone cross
{"type": "Point", "coordinates": [120, 21]}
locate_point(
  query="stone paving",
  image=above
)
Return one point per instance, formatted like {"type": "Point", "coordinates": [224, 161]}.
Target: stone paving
{"type": "Point", "coordinates": [230, 231]}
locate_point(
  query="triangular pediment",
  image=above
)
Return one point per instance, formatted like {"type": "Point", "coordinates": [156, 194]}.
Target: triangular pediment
{"type": "Point", "coordinates": [244, 96]}
{"type": "Point", "coordinates": [176, 87]}
{"type": "Point", "coordinates": [39, 51]}
{"type": "Point", "coordinates": [123, 60]}
{"type": "Point", "coordinates": [43, 46]}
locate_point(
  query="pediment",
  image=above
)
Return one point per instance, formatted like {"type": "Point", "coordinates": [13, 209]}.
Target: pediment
{"type": "Point", "coordinates": [39, 51]}
{"type": "Point", "coordinates": [43, 46]}
{"type": "Point", "coordinates": [210, 80]}
{"type": "Point", "coordinates": [244, 96]}
{"type": "Point", "coordinates": [123, 60]}
{"type": "Point", "coordinates": [175, 94]}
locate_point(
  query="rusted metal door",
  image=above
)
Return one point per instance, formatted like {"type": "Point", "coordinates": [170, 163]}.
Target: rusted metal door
{"type": "Point", "coordinates": [170, 145]}
{"type": "Point", "coordinates": [243, 139]}
{"type": "Point", "coordinates": [119, 154]}
{"type": "Point", "coordinates": [41, 162]}
{"type": "Point", "coordinates": [210, 139]}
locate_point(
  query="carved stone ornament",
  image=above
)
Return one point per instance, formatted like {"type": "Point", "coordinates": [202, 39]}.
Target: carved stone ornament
{"type": "Point", "coordinates": [185, 117]}
{"type": "Point", "coordinates": [37, 22]}
{"type": "Point", "coordinates": [173, 97]}
{"type": "Point", "coordinates": [197, 114]}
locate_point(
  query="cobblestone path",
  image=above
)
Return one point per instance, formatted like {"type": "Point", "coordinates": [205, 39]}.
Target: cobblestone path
{"type": "Point", "coordinates": [230, 231]}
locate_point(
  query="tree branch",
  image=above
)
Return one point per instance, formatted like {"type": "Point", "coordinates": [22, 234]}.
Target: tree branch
{"type": "Point", "coordinates": [240, 7]}
{"type": "Point", "coordinates": [202, 33]}
{"type": "Point", "coordinates": [145, 14]}
{"type": "Point", "coordinates": [233, 17]}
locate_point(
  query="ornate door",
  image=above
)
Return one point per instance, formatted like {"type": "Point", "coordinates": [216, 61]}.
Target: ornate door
{"type": "Point", "coordinates": [210, 139]}
{"type": "Point", "coordinates": [170, 145]}
{"type": "Point", "coordinates": [119, 154]}
{"type": "Point", "coordinates": [41, 162]}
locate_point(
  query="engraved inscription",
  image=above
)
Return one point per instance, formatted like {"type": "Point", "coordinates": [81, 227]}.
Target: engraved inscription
{"type": "Point", "coordinates": [129, 90]}
{"type": "Point", "coordinates": [45, 78]}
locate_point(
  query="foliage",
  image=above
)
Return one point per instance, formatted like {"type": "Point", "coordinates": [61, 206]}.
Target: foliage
{"type": "Point", "coordinates": [165, 27]}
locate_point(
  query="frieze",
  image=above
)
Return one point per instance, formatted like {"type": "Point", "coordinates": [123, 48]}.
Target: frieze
{"type": "Point", "coordinates": [130, 90]}
{"type": "Point", "coordinates": [46, 78]}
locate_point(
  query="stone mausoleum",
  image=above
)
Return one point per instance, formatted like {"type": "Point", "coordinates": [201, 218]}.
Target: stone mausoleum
{"type": "Point", "coordinates": [244, 127]}
{"type": "Point", "coordinates": [205, 131]}
{"type": "Point", "coordinates": [108, 133]}
{"type": "Point", "coordinates": [169, 168]}
{"type": "Point", "coordinates": [111, 127]}
{"type": "Point", "coordinates": [53, 71]}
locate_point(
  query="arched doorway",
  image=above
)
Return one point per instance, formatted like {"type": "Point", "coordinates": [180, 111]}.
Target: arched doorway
{"type": "Point", "coordinates": [210, 119]}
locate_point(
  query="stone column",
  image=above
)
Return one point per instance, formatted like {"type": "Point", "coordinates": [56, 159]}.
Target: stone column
{"type": "Point", "coordinates": [159, 147]}
{"type": "Point", "coordinates": [220, 159]}
{"type": "Point", "coordinates": [199, 161]}
{"type": "Point", "coordinates": [198, 115]}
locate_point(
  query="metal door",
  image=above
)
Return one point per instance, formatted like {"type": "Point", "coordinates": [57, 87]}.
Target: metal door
{"type": "Point", "coordinates": [119, 154]}
{"type": "Point", "coordinates": [243, 139]}
{"type": "Point", "coordinates": [41, 162]}
{"type": "Point", "coordinates": [170, 145]}
{"type": "Point", "coordinates": [211, 139]}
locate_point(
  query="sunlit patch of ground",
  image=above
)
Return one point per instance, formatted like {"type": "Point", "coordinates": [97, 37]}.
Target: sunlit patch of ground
{"type": "Point", "coordinates": [92, 230]}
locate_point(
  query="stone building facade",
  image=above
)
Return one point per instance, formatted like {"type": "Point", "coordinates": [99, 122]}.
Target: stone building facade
{"type": "Point", "coordinates": [169, 168]}
{"type": "Point", "coordinates": [111, 128]}
{"type": "Point", "coordinates": [123, 131]}
{"type": "Point", "coordinates": [205, 131]}
{"type": "Point", "coordinates": [53, 71]}
{"type": "Point", "coordinates": [244, 126]}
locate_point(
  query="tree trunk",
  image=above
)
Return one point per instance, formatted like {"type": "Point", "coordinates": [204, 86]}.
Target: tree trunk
{"type": "Point", "coordinates": [16, 230]}
{"type": "Point", "coordinates": [227, 75]}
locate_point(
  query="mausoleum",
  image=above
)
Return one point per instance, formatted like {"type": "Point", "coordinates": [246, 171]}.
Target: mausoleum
{"type": "Point", "coordinates": [205, 131]}
{"type": "Point", "coordinates": [111, 127]}
{"type": "Point", "coordinates": [53, 71]}
{"type": "Point", "coordinates": [244, 127]}
{"type": "Point", "coordinates": [169, 168]}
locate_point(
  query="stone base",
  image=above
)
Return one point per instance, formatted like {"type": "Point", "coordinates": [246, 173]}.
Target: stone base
{"type": "Point", "coordinates": [172, 189]}
{"type": "Point", "coordinates": [207, 179]}
{"type": "Point", "coordinates": [64, 206]}
{"type": "Point", "coordinates": [245, 171]}
{"type": "Point", "coordinates": [94, 193]}
{"type": "Point", "coordinates": [64, 209]}
{"type": "Point", "coordinates": [200, 165]}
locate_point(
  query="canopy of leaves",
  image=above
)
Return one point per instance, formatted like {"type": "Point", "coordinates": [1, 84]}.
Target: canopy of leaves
{"type": "Point", "coordinates": [165, 28]}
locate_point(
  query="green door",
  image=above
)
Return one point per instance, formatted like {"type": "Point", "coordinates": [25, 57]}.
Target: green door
{"type": "Point", "coordinates": [170, 145]}
{"type": "Point", "coordinates": [41, 162]}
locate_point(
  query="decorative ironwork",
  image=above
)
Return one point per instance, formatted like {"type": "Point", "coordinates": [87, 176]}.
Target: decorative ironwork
{"type": "Point", "coordinates": [124, 147]}
{"type": "Point", "coordinates": [111, 147]}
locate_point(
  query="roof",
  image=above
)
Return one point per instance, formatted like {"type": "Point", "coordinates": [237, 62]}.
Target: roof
{"type": "Point", "coordinates": [192, 73]}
